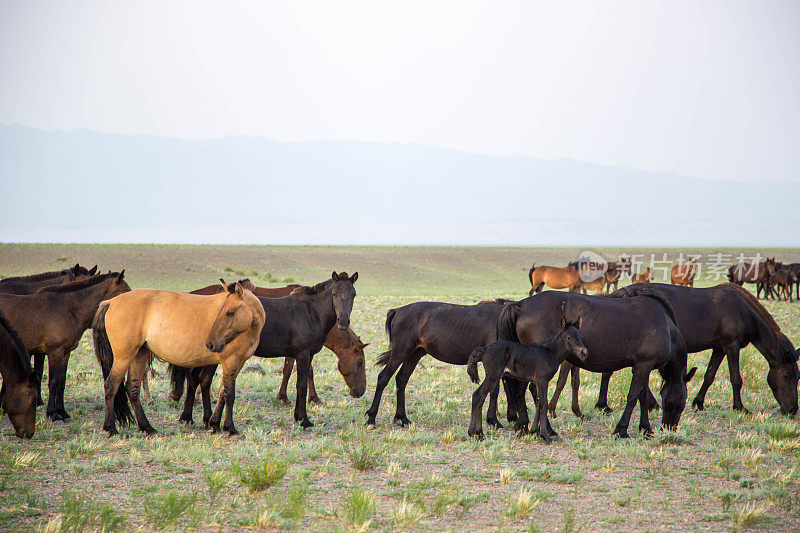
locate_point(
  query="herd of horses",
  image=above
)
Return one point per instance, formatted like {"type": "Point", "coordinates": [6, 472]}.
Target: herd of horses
{"type": "Point", "coordinates": [644, 326]}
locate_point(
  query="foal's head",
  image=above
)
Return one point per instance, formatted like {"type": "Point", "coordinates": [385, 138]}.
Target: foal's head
{"type": "Point", "coordinates": [351, 363]}
{"type": "Point", "coordinates": [236, 315]}
{"type": "Point", "coordinates": [343, 295]}
{"type": "Point", "coordinates": [783, 374]}
{"type": "Point", "coordinates": [571, 335]}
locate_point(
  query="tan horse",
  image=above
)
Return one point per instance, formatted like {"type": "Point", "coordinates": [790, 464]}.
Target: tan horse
{"type": "Point", "coordinates": [183, 329]}
{"type": "Point", "coordinates": [684, 274]}
{"type": "Point", "coordinates": [643, 277]}
{"type": "Point", "coordinates": [554, 277]}
{"type": "Point", "coordinates": [597, 285]}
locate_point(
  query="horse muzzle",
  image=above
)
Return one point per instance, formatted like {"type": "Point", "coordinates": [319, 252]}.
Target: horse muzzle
{"type": "Point", "coordinates": [357, 393]}
{"type": "Point", "coordinates": [583, 354]}
{"type": "Point", "coordinates": [215, 348]}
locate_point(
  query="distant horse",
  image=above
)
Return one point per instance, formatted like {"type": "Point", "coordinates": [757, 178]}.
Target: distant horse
{"type": "Point", "coordinates": [345, 344]}
{"type": "Point", "coordinates": [185, 329]}
{"type": "Point", "coordinates": [52, 320]}
{"type": "Point", "coordinates": [617, 332]}
{"type": "Point", "coordinates": [614, 271]}
{"type": "Point", "coordinates": [781, 282]}
{"type": "Point", "coordinates": [759, 274]}
{"type": "Point", "coordinates": [643, 277]}
{"type": "Point", "coordinates": [597, 285]}
{"type": "Point", "coordinates": [536, 363]}
{"type": "Point", "coordinates": [34, 282]}
{"type": "Point", "coordinates": [297, 327]}
{"type": "Point", "coordinates": [684, 274]}
{"type": "Point", "coordinates": [18, 395]}
{"type": "Point", "coordinates": [566, 277]}
{"type": "Point", "coordinates": [448, 332]}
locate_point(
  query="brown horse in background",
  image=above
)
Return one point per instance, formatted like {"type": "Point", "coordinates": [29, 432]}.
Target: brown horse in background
{"type": "Point", "coordinates": [52, 320]}
{"type": "Point", "coordinates": [34, 282]}
{"type": "Point", "coordinates": [597, 285]}
{"type": "Point", "coordinates": [759, 274]}
{"type": "Point", "coordinates": [781, 282]}
{"type": "Point", "coordinates": [18, 395]}
{"type": "Point", "coordinates": [184, 329]}
{"type": "Point", "coordinates": [566, 277]}
{"type": "Point", "coordinates": [643, 277]}
{"type": "Point", "coordinates": [345, 344]}
{"type": "Point", "coordinates": [684, 274]}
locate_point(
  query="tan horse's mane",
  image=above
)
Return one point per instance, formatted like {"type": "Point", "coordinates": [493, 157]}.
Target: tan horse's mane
{"type": "Point", "coordinates": [757, 307]}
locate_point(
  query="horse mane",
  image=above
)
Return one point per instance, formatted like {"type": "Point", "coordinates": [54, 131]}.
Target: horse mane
{"type": "Point", "coordinates": [18, 345]}
{"type": "Point", "coordinates": [78, 285]}
{"type": "Point", "coordinates": [502, 301]}
{"type": "Point", "coordinates": [305, 290]}
{"type": "Point", "coordinates": [757, 307]}
{"type": "Point", "coordinates": [41, 277]}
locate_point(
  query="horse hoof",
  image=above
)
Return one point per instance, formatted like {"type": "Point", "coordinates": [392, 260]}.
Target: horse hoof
{"type": "Point", "coordinates": [402, 421]}
{"type": "Point", "coordinates": [213, 428]}
{"type": "Point", "coordinates": [315, 400]}
{"type": "Point", "coordinates": [111, 431]}
{"type": "Point", "coordinates": [553, 414]}
{"type": "Point", "coordinates": [284, 400]}
{"type": "Point", "coordinates": [646, 433]}
{"type": "Point", "coordinates": [620, 433]}
{"type": "Point", "coordinates": [231, 432]}
{"type": "Point", "coordinates": [741, 408]}
{"type": "Point", "coordinates": [149, 431]}
{"type": "Point", "coordinates": [306, 423]}
{"type": "Point", "coordinates": [495, 424]}
{"type": "Point", "coordinates": [698, 404]}
{"type": "Point", "coordinates": [477, 435]}
{"type": "Point", "coordinates": [188, 421]}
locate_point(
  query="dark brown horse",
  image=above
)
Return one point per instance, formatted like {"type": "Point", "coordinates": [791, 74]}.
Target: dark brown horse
{"type": "Point", "coordinates": [781, 282]}
{"type": "Point", "coordinates": [345, 344]}
{"type": "Point", "coordinates": [634, 332]}
{"type": "Point", "coordinates": [297, 326]}
{"type": "Point", "coordinates": [52, 320]}
{"type": "Point", "coordinates": [18, 395]}
{"type": "Point", "coordinates": [448, 332]}
{"type": "Point", "coordinates": [757, 273]}
{"type": "Point", "coordinates": [34, 282]}
{"type": "Point", "coordinates": [566, 277]}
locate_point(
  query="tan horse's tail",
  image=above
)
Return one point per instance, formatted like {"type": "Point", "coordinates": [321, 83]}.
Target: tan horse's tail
{"type": "Point", "coordinates": [105, 356]}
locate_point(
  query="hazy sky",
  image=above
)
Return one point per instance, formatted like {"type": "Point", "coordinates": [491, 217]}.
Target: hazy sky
{"type": "Point", "coordinates": [707, 89]}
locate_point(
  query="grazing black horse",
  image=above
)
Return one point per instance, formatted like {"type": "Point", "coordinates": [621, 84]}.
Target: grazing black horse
{"type": "Point", "coordinates": [536, 363]}
{"type": "Point", "coordinates": [18, 394]}
{"type": "Point", "coordinates": [34, 282]}
{"type": "Point", "coordinates": [296, 326]}
{"type": "Point", "coordinates": [725, 319]}
{"type": "Point", "coordinates": [448, 332]}
{"type": "Point", "coordinates": [618, 332]}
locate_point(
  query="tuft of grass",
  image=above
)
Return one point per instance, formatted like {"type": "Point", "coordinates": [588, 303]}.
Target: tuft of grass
{"type": "Point", "coordinates": [569, 524]}
{"type": "Point", "coordinates": [359, 508]}
{"type": "Point", "coordinates": [263, 474]}
{"type": "Point", "coordinates": [522, 505]}
{"type": "Point", "coordinates": [165, 511]}
{"type": "Point", "coordinates": [783, 430]}
{"type": "Point", "coordinates": [493, 454]}
{"type": "Point", "coordinates": [406, 514]}
{"type": "Point", "coordinates": [83, 447]}
{"type": "Point", "coordinates": [79, 513]}
{"type": "Point", "coordinates": [295, 506]}
{"type": "Point", "coordinates": [506, 475]}
{"type": "Point", "coordinates": [752, 457]}
{"type": "Point", "coordinates": [25, 460]}
{"type": "Point", "coordinates": [362, 455]}
{"type": "Point", "coordinates": [749, 516]}
{"type": "Point", "coordinates": [215, 481]}
{"type": "Point", "coordinates": [744, 440]}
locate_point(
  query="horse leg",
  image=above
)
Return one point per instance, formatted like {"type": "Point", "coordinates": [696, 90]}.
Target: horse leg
{"type": "Point", "coordinates": [288, 365]}
{"type": "Point", "coordinates": [491, 412]}
{"type": "Point", "coordinates": [112, 383]}
{"type": "Point", "coordinates": [148, 399]}
{"type": "Point", "coordinates": [188, 402]}
{"type": "Point", "coordinates": [395, 359]}
{"type": "Point", "coordinates": [562, 380]}
{"type": "Point", "coordinates": [491, 381]}
{"type": "Point", "coordinates": [136, 373]}
{"type": "Point", "coordinates": [732, 353]}
{"type": "Point", "coordinates": [303, 360]}
{"type": "Point", "coordinates": [644, 414]}
{"type": "Point", "coordinates": [576, 386]}
{"type": "Point", "coordinates": [717, 355]}
{"type": "Point", "coordinates": [602, 397]}
{"type": "Point", "coordinates": [177, 389]}
{"type": "Point", "coordinates": [511, 401]}
{"type": "Point", "coordinates": [521, 425]}
{"type": "Point", "coordinates": [38, 371]}
{"type": "Point", "coordinates": [312, 390]}
{"type": "Point", "coordinates": [230, 370]}
{"type": "Point", "coordinates": [57, 376]}
{"type": "Point", "coordinates": [543, 427]}
{"type": "Point", "coordinates": [652, 403]}
{"type": "Point", "coordinates": [206, 376]}
{"type": "Point", "coordinates": [406, 369]}
{"type": "Point", "coordinates": [641, 373]}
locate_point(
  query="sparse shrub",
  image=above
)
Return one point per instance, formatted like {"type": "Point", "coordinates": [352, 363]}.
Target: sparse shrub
{"type": "Point", "coordinates": [359, 509]}
{"type": "Point", "coordinates": [506, 475]}
{"type": "Point", "coordinates": [568, 524]}
{"type": "Point", "coordinates": [215, 481]}
{"type": "Point", "coordinates": [406, 514]}
{"type": "Point", "coordinates": [522, 505]}
{"type": "Point", "coordinates": [83, 447]}
{"type": "Point", "coordinates": [263, 474]}
{"type": "Point", "coordinates": [25, 460]}
{"type": "Point", "coordinates": [163, 511]}
{"type": "Point", "coordinates": [749, 516]}
{"type": "Point", "coordinates": [783, 430]}
{"type": "Point", "coordinates": [362, 455]}
{"type": "Point", "coordinates": [79, 513]}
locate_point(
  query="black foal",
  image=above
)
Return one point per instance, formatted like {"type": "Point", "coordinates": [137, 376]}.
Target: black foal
{"type": "Point", "coordinates": [536, 363]}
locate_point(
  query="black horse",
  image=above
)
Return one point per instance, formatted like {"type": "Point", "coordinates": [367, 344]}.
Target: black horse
{"type": "Point", "coordinates": [296, 326]}
{"type": "Point", "coordinates": [536, 363]}
{"type": "Point", "coordinates": [725, 319]}
{"type": "Point", "coordinates": [632, 332]}
{"type": "Point", "coordinates": [448, 332]}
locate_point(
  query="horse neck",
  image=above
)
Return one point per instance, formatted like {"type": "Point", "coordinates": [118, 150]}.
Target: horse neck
{"type": "Point", "coordinates": [322, 304]}
{"type": "Point", "coordinates": [84, 302]}
{"type": "Point", "coordinates": [556, 347]}
{"type": "Point", "coordinates": [11, 366]}
{"type": "Point", "coordinates": [766, 340]}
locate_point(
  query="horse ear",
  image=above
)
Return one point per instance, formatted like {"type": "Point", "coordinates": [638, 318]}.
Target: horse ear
{"type": "Point", "coordinates": [93, 270]}
{"type": "Point", "coordinates": [564, 322]}
{"type": "Point", "coordinates": [362, 345]}
{"type": "Point", "coordinates": [238, 289]}
{"type": "Point", "coordinates": [121, 275]}
{"type": "Point", "coordinates": [689, 374]}
{"type": "Point", "coordinates": [335, 276]}
{"type": "Point", "coordinates": [577, 323]}
{"type": "Point", "coordinates": [76, 267]}
{"type": "Point", "coordinates": [354, 277]}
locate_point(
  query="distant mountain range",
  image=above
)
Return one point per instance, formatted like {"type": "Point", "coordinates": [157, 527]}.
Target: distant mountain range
{"type": "Point", "coordinates": [97, 187]}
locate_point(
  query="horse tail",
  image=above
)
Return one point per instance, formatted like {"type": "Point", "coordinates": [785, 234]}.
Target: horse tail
{"type": "Point", "coordinates": [530, 273]}
{"type": "Point", "coordinates": [105, 356]}
{"type": "Point", "coordinates": [177, 377]}
{"type": "Point", "coordinates": [507, 322]}
{"type": "Point", "coordinates": [383, 358]}
{"type": "Point", "coordinates": [472, 363]}
{"type": "Point", "coordinates": [388, 325]}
